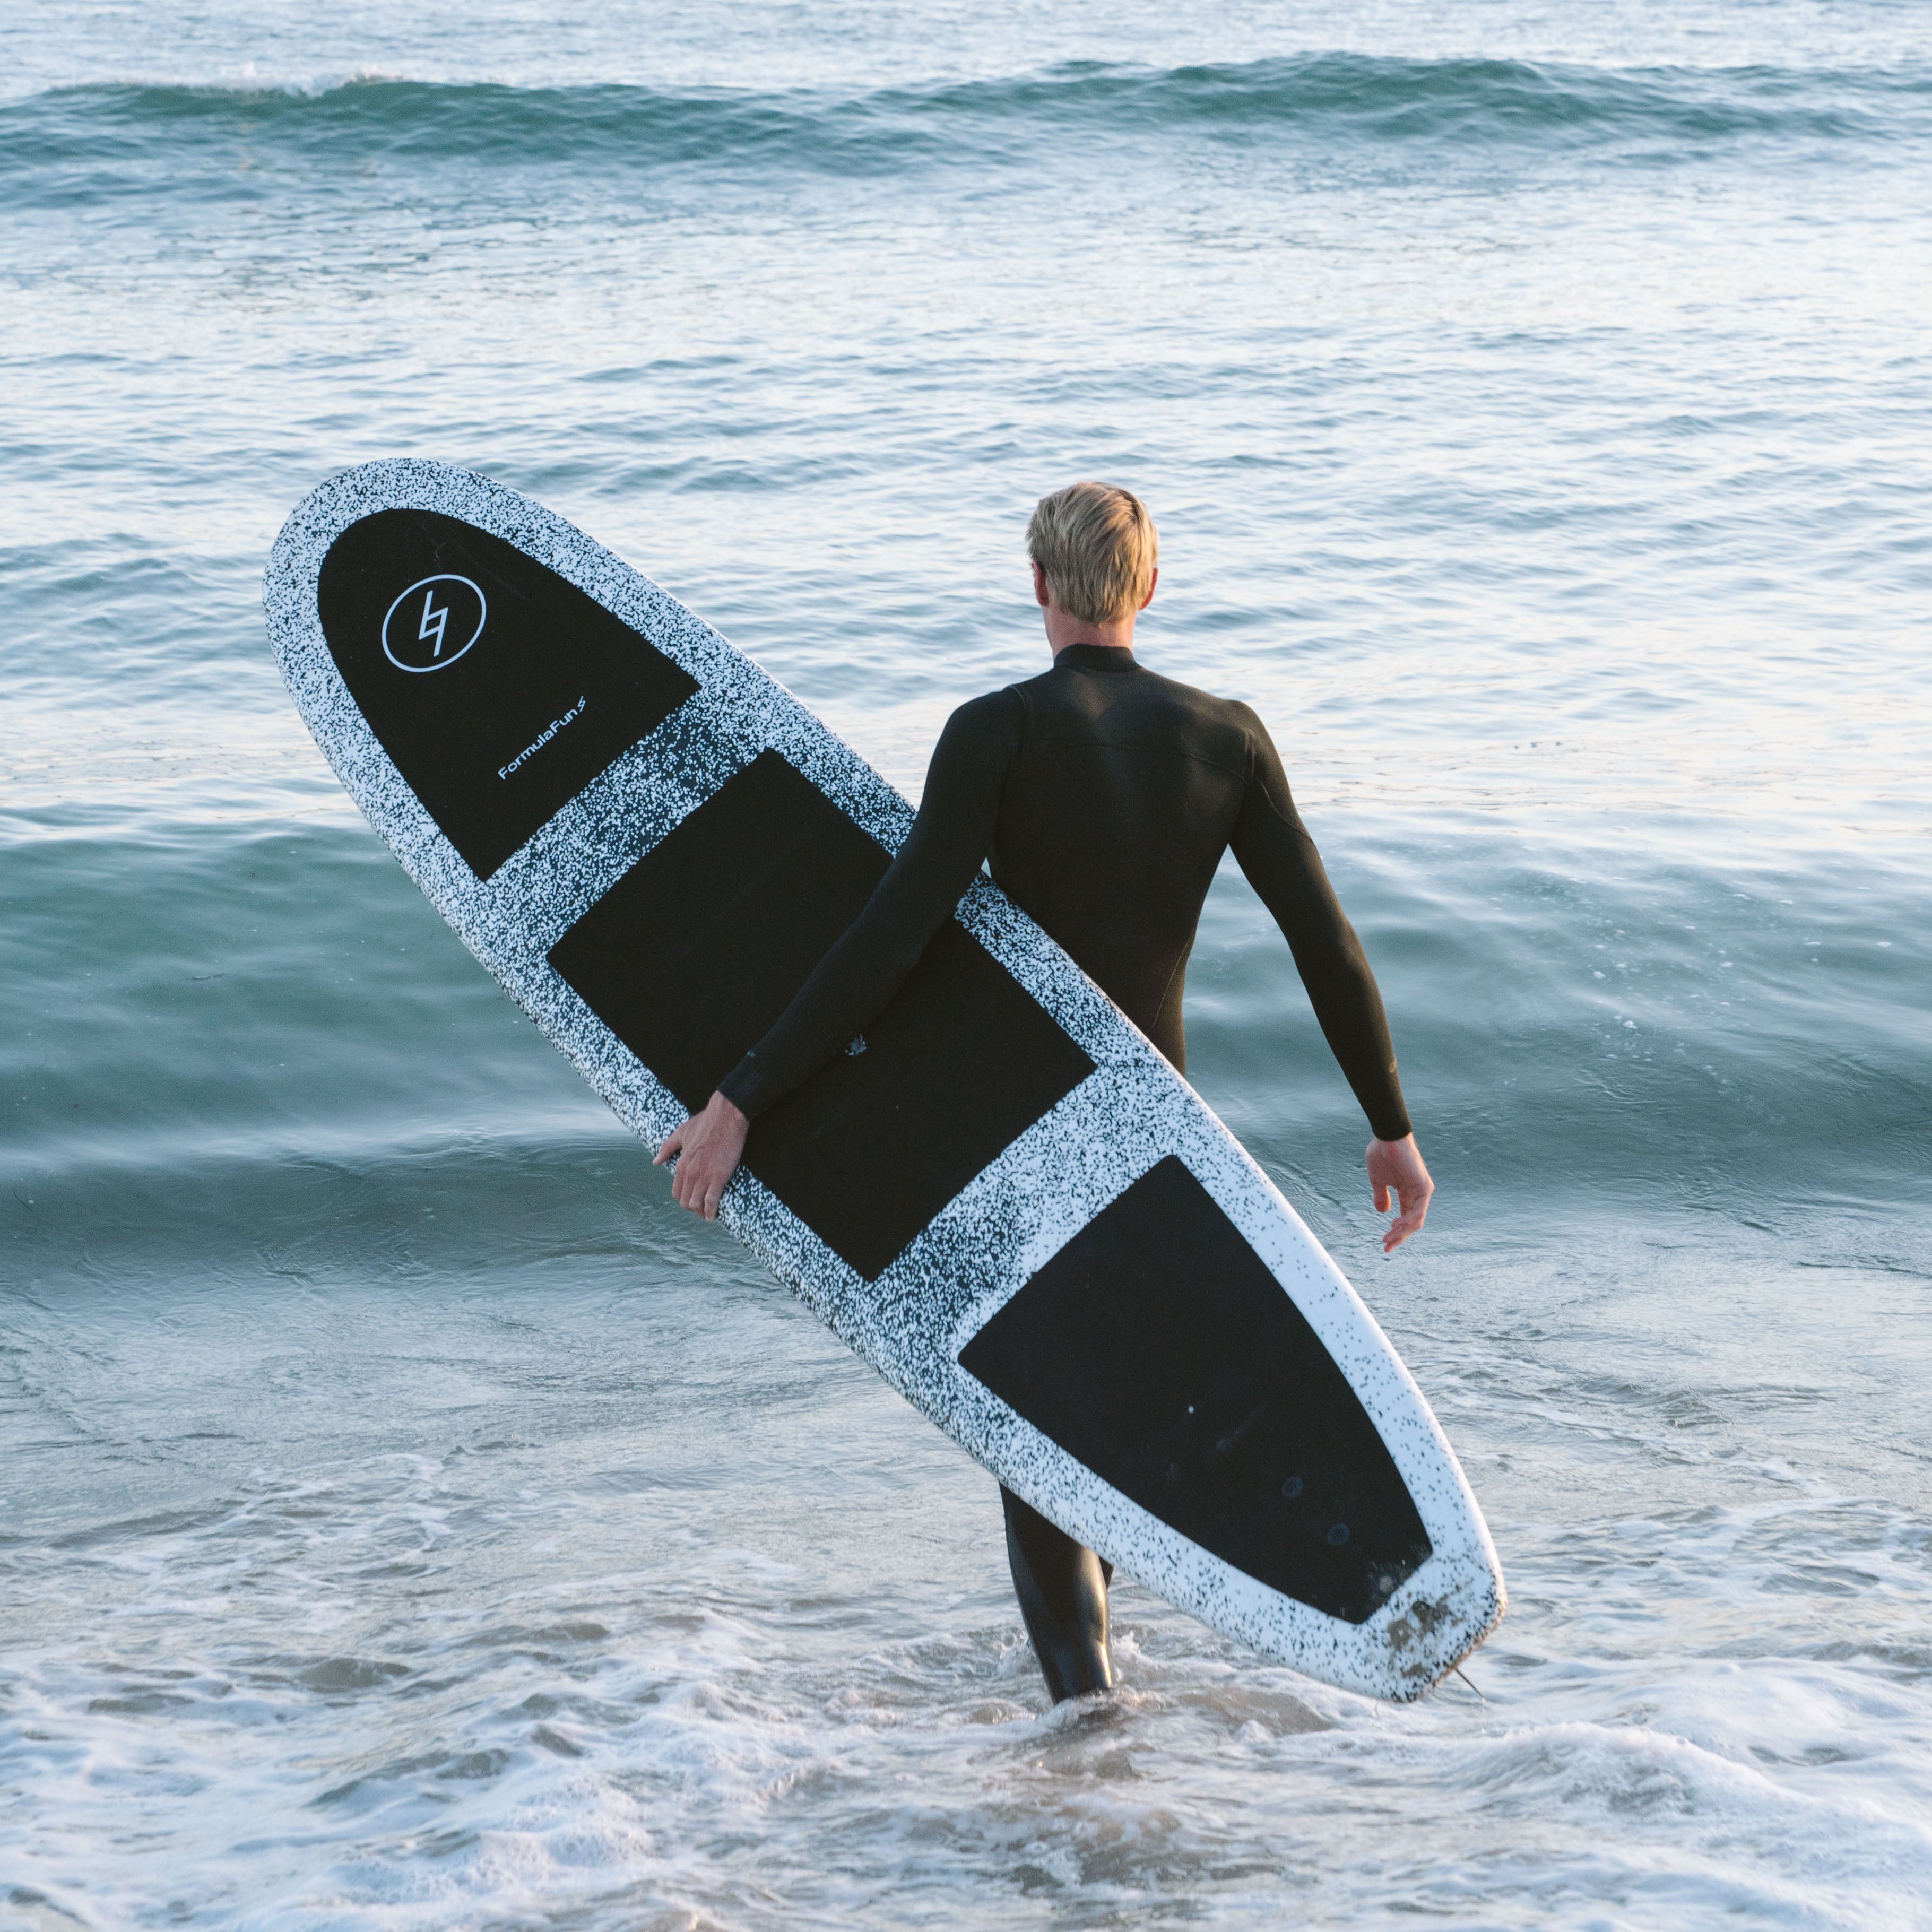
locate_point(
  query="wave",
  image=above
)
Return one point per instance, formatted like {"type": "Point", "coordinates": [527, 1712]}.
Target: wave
{"type": "Point", "coordinates": [89, 139]}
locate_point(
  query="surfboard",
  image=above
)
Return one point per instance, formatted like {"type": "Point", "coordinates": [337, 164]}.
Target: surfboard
{"type": "Point", "coordinates": [1001, 1195]}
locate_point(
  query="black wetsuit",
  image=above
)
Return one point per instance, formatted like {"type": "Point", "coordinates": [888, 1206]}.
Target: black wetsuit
{"type": "Point", "coordinates": [1104, 795]}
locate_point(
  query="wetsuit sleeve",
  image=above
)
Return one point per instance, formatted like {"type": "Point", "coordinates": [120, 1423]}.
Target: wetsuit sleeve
{"type": "Point", "coordinates": [851, 985]}
{"type": "Point", "coordinates": [1273, 849]}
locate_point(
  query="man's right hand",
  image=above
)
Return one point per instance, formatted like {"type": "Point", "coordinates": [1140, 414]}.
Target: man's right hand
{"type": "Point", "coordinates": [709, 1147]}
{"type": "Point", "coordinates": [1396, 1166]}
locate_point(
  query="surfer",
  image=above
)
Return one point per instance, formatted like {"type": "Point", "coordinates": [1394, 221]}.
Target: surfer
{"type": "Point", "coordinates": [1104, 795]}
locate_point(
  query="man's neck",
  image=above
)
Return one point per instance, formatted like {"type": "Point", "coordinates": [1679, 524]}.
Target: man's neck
{"type": "Point", "coordinates": [1063, 631]}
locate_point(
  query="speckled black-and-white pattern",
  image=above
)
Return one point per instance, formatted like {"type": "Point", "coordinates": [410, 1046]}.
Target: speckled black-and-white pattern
{"type": "Point", "coordinates": [910, 1323]}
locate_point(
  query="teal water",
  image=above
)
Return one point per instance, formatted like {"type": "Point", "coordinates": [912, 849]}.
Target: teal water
{"type": "Point", "coordinates": [406, 1518]}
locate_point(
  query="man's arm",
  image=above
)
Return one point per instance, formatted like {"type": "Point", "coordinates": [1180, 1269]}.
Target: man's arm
{"type": "Point", "coordinates": [1272, 848]}
{"type": "Point", "coordinates": [857, 978]}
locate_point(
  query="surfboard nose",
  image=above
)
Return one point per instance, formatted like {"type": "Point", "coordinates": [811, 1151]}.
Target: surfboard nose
{"type": "Point", "coordinates": [499, 688]}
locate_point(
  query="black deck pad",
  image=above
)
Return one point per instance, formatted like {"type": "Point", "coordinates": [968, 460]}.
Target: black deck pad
{"type": "Point", "coordinates": [699, 948]}
{"type": "Point", "coordinates": [500, 689]}
{"type": "Point", "coordinates": [1156, 1348]}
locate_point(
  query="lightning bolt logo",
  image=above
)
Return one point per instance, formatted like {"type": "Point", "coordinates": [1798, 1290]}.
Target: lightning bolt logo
{"type": "Point", "coordinates": [447, 599]}
{"type": "Point", "coordinates": [434, 615]}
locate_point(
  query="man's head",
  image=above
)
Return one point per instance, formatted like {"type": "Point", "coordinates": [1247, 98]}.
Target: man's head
{"type": "Point", "coordinates": [1097, 549]}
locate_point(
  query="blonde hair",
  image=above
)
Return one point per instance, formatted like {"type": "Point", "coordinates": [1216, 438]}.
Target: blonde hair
{"type": "Point", "coordinates": [1098, 547]}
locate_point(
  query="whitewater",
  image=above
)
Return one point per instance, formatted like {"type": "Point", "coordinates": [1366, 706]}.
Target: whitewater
{"type": "Point", "coordinates": [408, 1519]}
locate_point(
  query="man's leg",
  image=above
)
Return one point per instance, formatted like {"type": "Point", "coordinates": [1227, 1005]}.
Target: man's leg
{"type": "Point", "coordinates": [1062, 1586]}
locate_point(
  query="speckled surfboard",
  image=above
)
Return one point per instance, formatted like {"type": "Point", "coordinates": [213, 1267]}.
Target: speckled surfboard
{"type": "Point", "coordinates": [1001, 1195]}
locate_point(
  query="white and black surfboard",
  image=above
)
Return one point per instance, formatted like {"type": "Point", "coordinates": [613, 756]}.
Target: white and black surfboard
{"type": "Point", "coordinates": [1003, 1197]}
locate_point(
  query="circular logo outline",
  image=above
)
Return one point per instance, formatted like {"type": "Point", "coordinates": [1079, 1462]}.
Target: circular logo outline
{"type": "Point", "coordinates": [423, 632]}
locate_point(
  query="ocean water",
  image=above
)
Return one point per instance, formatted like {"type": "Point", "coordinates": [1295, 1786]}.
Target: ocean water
{"type": "Point", "coordinates": [408, 1519]}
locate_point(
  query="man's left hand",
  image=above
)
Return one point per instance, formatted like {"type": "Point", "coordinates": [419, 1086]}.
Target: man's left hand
{"type": "Point", "coordinates": [1395, 1167]}
{"type": "Point", "coordinates": [708, 1146]}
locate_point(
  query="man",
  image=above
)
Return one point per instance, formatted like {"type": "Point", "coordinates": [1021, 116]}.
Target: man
{"type": "Point", "coordinates": [1104, 796]}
